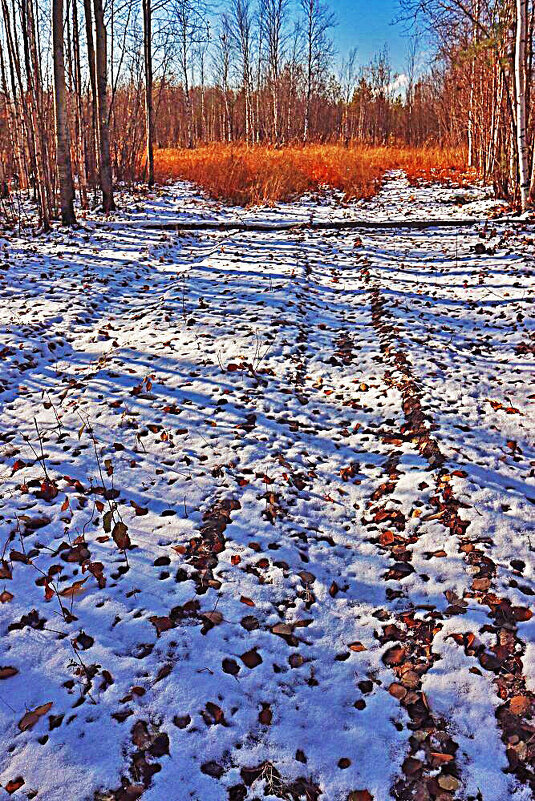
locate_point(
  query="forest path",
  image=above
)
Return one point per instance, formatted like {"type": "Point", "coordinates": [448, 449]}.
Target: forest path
{"type": "Point", "coordinates": [267, 509]}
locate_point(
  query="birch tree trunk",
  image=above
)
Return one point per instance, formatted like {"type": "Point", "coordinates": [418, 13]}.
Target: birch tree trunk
{"type": "Point", "coordinates": [308, 95]}
{"type": "Point", "coordinates": [149, 115]}
{"type": "Point", "coordinates": [101, 64]}
{"type": "Point", "coordinates": [63, 144]}
{"type": "Point", "coordinates": [33, 75]}
{"type": "Point", "coordinates": [81, 139]}
{"type": "Point", "coordinates": [520, 100]}
{"type": "Point", "coordinates": [470, 129]}
{"type": "Point", "coordinates": [15, 116]}
{"type": "Point", "coordinates": [93, 155]}
{"type": "Point", "coordinates": [188, 105]}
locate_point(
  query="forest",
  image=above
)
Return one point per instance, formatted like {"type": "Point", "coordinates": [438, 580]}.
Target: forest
{"type": "Point", "coordinates": [91, 92]}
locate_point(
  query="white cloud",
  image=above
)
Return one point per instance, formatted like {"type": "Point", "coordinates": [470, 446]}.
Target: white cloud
{"type": "Point", "coordinates": [399, 85]}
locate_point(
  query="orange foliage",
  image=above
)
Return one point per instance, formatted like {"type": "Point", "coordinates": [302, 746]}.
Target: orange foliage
{"type": "Point", "coordinates": [263, 175]}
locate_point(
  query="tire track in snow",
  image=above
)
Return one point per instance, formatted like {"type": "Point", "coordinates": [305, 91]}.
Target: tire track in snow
{"type": "Point", "coordinates": [515, 714]}
{"type": "Point", "coordinates": [430, 769]}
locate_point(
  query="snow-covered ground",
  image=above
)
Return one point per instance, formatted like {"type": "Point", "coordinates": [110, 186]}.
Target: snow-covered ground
{"type": "Point", "coordinates": [267, 506]}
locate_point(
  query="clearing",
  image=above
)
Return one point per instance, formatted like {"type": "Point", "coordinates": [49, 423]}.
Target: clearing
{"type": "Point", "coordinates": [266, 508]}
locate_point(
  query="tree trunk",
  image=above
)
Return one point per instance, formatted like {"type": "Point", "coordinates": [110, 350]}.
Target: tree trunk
{"type": "Point", "coordinates": [520, 98]}
{"type": "Point", "coordinates": [93, 163]}
{"type": "Point", "coordinates": [63, 144]}
{"type": "Point", "coordinates": [16, 132]}
{"type": "Point", "coordinates": [81, 138]}
{"type": "Point", "coordinates": [188, 105]}
{"type": "Point", "coordinates": [106, 182]}
{"type": "Point", "coordinates": [149, 121]}
{"type": "Point", "coordinates": [31, 58]}
{"type": "Point", "coordinates": [308, 97]}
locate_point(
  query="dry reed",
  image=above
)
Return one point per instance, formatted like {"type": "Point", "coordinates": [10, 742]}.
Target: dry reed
{"type": "Point", "coordinates": [261, 175]}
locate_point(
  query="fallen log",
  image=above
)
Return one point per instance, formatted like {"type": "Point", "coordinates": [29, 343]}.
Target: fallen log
{"type": "Point", "coordinates": [321, 225]}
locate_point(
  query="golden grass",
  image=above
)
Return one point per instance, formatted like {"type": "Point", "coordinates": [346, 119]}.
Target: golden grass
{"type": "Point", "coordinates": [262, 175]}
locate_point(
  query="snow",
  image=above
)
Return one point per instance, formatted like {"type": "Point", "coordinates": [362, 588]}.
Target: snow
{"type": "Point", "coordinates": [115, 346]}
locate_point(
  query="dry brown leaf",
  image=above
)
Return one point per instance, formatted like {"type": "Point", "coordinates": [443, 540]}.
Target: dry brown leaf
{"type": "Point", "coordinates": [282, 629]}
{"type": "Point", "coordinates": [161, 623]}
{"type": "Point", "coordinates": [251, 659]}
{"type": "Point", "coordinates": [120, 536]}
{"type": "Point", "coordinates": [520, 704]}
{"type": "Point", "coordinates": [214, 617]}
{"type": "Point", "coordinates": [5, 570]}
{"type": "Point", "coordinates": [247, 601]}
{"type": "Point", "coordinates": [14, 785]}
{"type": "Point", "coordinates": [7, 672]}
{"type": "Point", "coordinates": [75, 589]}
{"type": "Point", "coordinates": [31, 717]}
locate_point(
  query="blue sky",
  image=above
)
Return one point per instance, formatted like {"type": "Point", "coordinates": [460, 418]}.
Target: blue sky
{"type": "Point", "coordinates": [367, 25]}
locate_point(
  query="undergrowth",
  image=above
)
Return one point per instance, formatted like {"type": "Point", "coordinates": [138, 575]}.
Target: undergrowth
{"type": "Point", "coordinates": [262, 175]}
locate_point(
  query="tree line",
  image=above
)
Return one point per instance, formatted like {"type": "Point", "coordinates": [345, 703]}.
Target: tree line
{"type": "Point", "coordinates": [486, 48]}
{"type": "Point", "coordinates": [89, 89]}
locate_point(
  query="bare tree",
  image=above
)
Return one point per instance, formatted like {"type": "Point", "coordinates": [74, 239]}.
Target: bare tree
{"type": "Point", "coordinates": [80, 136]}
{"type": "Point", "coordinates": [93, 154]}
{"type": "Point", "coordinates": [318, 21]}
{"type": "Point", "coordinates": [412, 54]}
{"type": "Point", "coordinates": [101, 73]}
{"type": "Point", "coordinates": [32, 63]}
{"type": "Point", "coordinates": [348, 74]}
{"type": "Point", "coordinates": [241, 28]}
{"type": "Point", "coordinates": [63, 142]}
{"type": "Point", "coordinates": [222, 62]}
{"type": "Point", "coordinates": [273, 15]}
{"type": "Point", "coordinates": [149, 121]}
{"type": "Point", "coordinates": [191, 25]}
{"type": "Point", "coordinates": [520, 100]}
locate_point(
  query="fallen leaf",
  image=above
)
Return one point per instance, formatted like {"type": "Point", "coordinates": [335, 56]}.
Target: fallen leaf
{"type": "Point", "coordinates": [520, 704]}
{"type": "Point", "coordinates": [48, 491]}
{"type": "Point", "coordinates": [394, 656]}
{"type": "Point", "coordinates": [75, 589]}
{"type": "Point", "coordinates": [397, 690]}
{"type": "Point", "coordinates": [31, 717]}
{"type": "Point", "coordinates": [230, 666]}
{"type": "Point", "coordinates": [5, 570]}
{"type": "Point", "coordinates": [246, 601]}
{"type": "Point", "coordinates": [251, 659]}
{"type": "Point", "coordinates": [139, 510]}
{"type": "Point", "coordinates": [266, 715]}
{"type": "Point", "coordinates": [521, 614]}
{"type": "Point", "coordinates": [448, 782]}
{"type": "Point", "coordinates": [441, 759]}
{"type": "Point", "coordinates": [13, 785]}
{"type": "Point", "coordinates": [120, 536]}
{"type": "Point", "coordinates": [161, 623]}
{"type": "Point", "coordinates": [214, 617]}
{"type": "Point", "coordinates": [282, 629]}
{"type": "Point", "coordinates": [7, 672]}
